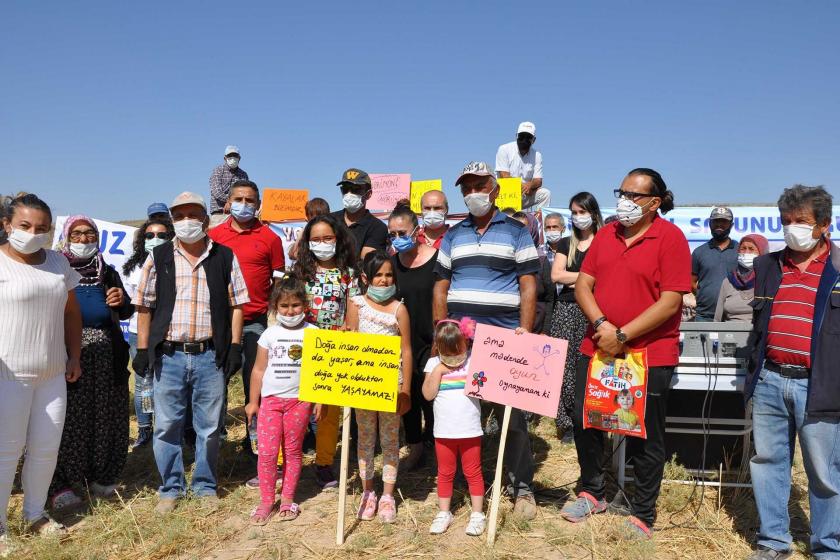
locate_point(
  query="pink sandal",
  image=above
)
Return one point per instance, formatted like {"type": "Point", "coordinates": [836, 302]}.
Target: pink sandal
{"type": "Point", "coordinates": [289, 512]}
{"type": "Point", "coordinates": [262, 514]}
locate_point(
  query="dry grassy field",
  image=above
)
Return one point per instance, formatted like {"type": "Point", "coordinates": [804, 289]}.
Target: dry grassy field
{"type": "Point", "coordinates": [127, 528]}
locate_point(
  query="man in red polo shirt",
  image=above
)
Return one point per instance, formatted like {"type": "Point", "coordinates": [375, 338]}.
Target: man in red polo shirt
{"type": "Point", "coordinates": [260, 253]}
{"type": "Point", "coordinates": [630, 288]}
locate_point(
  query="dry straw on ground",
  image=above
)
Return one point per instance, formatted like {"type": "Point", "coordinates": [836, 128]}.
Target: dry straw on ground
{"type": "Point", "coordinates": [127, 528]}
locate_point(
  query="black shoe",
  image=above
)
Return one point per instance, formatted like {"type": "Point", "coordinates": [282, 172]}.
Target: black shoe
{"type": "Point", "coordinates": [764, 553]}
{"type": "Point", "coordinates": [144, 437]}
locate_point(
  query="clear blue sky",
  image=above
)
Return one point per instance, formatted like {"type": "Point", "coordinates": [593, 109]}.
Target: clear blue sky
{"type": "Point", "coordinates": [107, 106]}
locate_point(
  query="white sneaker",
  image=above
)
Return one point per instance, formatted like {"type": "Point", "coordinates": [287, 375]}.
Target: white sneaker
{"type": "Point", "coordinates": [103, 491]}
{"type": "Point", "coordinates": [476, 524]}
{"type": "Point", "coordinates": [441, 523]}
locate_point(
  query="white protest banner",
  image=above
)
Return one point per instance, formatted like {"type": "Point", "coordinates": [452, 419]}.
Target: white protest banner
{"type": "Point", "coordinates": [289, 233]}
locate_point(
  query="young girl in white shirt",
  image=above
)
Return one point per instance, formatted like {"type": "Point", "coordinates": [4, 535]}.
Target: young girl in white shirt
{"type": "Point", "coordinates": [457, 422]}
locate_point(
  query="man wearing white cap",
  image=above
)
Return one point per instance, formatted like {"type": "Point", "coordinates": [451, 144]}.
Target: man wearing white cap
{"type": "Point", "coordinates": [222, 178]}
{"type": "Point", "coordinates": [189, 333]}
{"type": "Point", "coordinates": [519, 159]}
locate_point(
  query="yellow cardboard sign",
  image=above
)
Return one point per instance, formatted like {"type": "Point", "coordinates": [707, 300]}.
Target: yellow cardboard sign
{"type": "Point", "coordinates": [350, 369]}
{"type": "Point", "coordinates": [419, 188]}
{"type": "Point", "coordinates": [510, 193]}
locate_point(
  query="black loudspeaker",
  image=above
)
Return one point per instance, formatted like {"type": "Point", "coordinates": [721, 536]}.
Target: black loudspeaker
{"type": "Point", "coordinates": [688, 448]}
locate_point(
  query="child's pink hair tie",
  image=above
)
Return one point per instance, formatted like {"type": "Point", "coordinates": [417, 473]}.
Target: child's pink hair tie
{"type": "Point", "coordinates": [465, 324]}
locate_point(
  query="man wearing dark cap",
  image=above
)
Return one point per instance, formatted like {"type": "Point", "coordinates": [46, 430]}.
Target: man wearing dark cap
{"type": "Point", "coordinates": [712, 261]}
{"type": "Point", "coordinates": [369, 232]}
{"type": "Point", "coordinates": [158, 211]}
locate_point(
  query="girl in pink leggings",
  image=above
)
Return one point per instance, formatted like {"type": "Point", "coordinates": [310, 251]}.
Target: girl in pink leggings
{"type": "Point", "coordinates": [281, 417]}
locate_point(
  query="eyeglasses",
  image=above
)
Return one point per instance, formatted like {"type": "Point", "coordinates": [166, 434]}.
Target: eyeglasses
{"type": "Point", "coordinates": [394, 234]}
{"type": "Point", "coordinates": [630, 195]}
{"type": "Point", "coordinates": [160, 235]}
{"type": "Point", "coordinates": [85, 234]}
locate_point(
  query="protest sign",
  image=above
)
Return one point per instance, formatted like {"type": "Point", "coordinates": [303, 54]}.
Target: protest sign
{"type": "Point", "coordinates": [419, 188]}
{"type": "Point", "coordinates": [524, 371]}
{"type": "Point", "coordinates": [282, 205]}
{"type": "Point", "coordinates": [510, 193]}
{"type": "Point", "coordinates": [616, 394]}
{"type": "Point", "coordinates": [388, 188]}
{"type": "Point", "coordinates": [350, 369]}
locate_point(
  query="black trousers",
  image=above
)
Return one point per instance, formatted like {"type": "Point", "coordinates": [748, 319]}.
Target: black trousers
{"type": "Point", "coordinates": [420, 409]}
{"type": "Point", "coordinates": [648, 455]}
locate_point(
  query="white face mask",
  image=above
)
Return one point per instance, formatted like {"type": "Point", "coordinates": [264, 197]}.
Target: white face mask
{"type": "Point", "coordinates": [323, 251]}
{"type": "Point", "coordinates": [27, 243]}
{"type": "Point", "coordinates": [84, 250]}
{"type": "Point", "coordinates": [746, 260]}
{"type": "Point", "coordinates": [798, 237]}
{"type": "Point", "coordinates": [353, 202]}
{"type": "Point", "coordinates": [189, 231]}
{"type": "Point", "coordinates": [150, 244]}
{"type": "Point", "coordinates": [433, 219]}
{"type": "Point", "coordinates": [553, 236]}
{"type": "Point", "coordinates": [479, 203]}
{"type": "Point", "coordinates": [582, 221]}
{"type": "Point", "coordinates": [291, 321]}
{"type": "Point", "coordinates": [628, 212]}
{"type": "Point", "coordinates": [232, 162]}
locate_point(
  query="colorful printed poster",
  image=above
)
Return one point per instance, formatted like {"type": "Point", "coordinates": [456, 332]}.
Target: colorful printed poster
{"type": "Point", "coordinates": [419, 188]}
{"type": "Point", "coordinates": [510, 193]}
{"type": "Point", "coordinates": [350, 369]}
{"type": "Point", "coordinates": [283, 205]}
{"type": "Point", "coordinates": [388, 188]}
{"type": "Point", "coordinates": [524, 371]}
{"type": "Point", "coordinates": [616, 394]}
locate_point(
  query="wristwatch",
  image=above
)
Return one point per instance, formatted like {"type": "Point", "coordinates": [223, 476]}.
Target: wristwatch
{"type": "Point", "coordinates": [620, 336]}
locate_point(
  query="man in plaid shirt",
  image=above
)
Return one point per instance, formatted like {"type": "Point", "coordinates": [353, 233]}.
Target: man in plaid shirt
{"type": "Point", "coordinates": [221, 180]}
{"type": "Point", "coordinates": [189, 333]}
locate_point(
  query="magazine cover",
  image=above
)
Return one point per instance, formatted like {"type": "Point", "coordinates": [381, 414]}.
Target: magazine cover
{"type": "Point", "coordinates": [616, 394]}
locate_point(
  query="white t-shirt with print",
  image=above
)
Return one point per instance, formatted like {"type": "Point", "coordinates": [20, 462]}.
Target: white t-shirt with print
{"type": "Point", "coordinates": [285, 350]}
{"type": "Point", "coordinates": [457, 416]}
{"type": "Point", "coordinates": [509, 160]}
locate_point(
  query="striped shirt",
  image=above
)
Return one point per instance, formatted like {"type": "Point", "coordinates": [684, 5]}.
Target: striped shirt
{"type": "Point", "coordinates": [191, 320]}
{"type": "Point", "coordinates": [791, 318]}
{"type": "Point", "coordinates": [484, 270]}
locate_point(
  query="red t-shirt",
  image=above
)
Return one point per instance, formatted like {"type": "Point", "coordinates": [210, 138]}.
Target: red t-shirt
{"type": "Point", "coordinates": [421, 238]}
{"type": "Point", "coordinates": [792, 316]}
{"type": "Point", "coordinates": [259, 252]}
{"type": "Point", "coordinates": [628, 280]}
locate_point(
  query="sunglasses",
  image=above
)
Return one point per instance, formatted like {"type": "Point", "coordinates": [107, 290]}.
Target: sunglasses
{"type": "Point", "coordinates": [162, 235]}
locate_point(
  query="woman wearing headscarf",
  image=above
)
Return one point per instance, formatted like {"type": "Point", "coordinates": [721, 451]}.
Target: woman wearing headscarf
{"type": "Point", "coordinates": [94, 444]}
{"type": "Point", "coordinates": [736, 292]}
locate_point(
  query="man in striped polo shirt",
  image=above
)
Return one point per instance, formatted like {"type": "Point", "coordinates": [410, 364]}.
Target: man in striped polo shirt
{"type": "Point", "coordinates": [486, 270]}
{"type": "Point", "coordinates": [794, 380]}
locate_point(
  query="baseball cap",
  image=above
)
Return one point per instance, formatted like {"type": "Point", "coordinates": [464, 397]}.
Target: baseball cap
{"type": "Point", "coordinates": [721, 213]}
{"type": "Point", "coordinates": [528, 127]}
{"type": "Point", "coordinates": [187, 197]}
{"type": "Point", "coordinates": [478, 168]}
{"type": "Point", "coordinates": [231, 150]}
{"type": "Point", "coordinates": [157, 208]}
{"type": "Point", "coordinates": [354, 177]}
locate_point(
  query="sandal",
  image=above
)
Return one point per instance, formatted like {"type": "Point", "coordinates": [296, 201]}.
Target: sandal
{"type": "Point", "coordinates": [262, 514]}
{"type": "Point", "coordinates": [289, 512]}
{"type": "Point", "coordinates": [46, 525]}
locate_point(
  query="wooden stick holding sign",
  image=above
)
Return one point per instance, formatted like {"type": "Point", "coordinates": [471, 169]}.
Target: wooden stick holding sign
{"type": "Point", "coordinates": [353, 370]}
{"type": "Point", "coordinates": [342, 476]}
{"type": "Point", "coordinates": [523, 371]}
{"type": "Point", "coordinates": [496, 497]}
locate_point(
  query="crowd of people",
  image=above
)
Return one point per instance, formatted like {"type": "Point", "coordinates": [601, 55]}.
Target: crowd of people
{"type": "Point", "coordinates": [210, 293]}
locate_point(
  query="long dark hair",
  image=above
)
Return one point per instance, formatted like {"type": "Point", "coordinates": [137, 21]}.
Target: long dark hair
{"type": "Point", "coordinates": [138, 257]}
{"type": "Point", "coordinates": [345, 249]}
{"type": "Point", "coordinates": [657, 187]}
{"type": "Point", "coordinates": [371, 265]}
{"type": "Point", "coordinates": [589, 203]}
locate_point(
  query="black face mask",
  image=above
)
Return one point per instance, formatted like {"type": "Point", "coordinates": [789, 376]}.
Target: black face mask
{"type": "Point", "coordinates": [524, 144]}
{"type": "Point", "coordinates": [721, 234]}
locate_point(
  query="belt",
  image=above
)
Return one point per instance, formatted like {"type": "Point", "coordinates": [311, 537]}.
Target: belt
{"type": "Point", "coordinates": [214, 212]}
{"type": "Point", "coordinates": [188, 347]}
{"type": "Point", "coordinates": [791, 372]}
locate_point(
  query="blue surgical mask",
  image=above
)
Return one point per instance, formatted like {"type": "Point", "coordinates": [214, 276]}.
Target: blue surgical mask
{"type": "Point", "coordinates": [401, 244]}
{"type": "Point", "coordinates": [381, 293]}
{"type": "Point", "coordinates": [242, 211]}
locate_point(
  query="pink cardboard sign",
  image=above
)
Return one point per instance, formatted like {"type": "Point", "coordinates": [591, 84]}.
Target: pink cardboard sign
{"type": "Point", "coordinates": [524, 371]}
{"type": "Point", "coordinates": [388, 188]}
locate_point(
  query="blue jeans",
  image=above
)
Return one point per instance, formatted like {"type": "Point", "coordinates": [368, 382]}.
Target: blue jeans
{"type": "Point", "coordinates": [144, 419]}
{"type": "Point", "coordinates": [181, 380]}
{"type": "Point", "coordinates": [778, 417]}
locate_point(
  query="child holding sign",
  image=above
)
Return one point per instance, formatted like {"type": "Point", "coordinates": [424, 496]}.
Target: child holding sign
{"type": "Point", "coordinates": [281, 417]}
{"type": "Point", "coordinates": [457, 422]}
{"type": "Point", "coordinates": [378, 312]}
